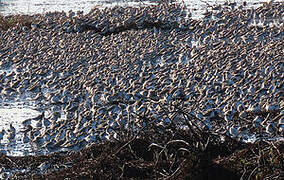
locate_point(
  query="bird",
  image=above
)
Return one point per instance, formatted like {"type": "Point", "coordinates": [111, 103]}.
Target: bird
{"type": "Point", "coordinates": [228, 116]}
{"type": "Point", "coordinates": [38, 140]}
{"type": "Point", "coordinates": [11, 135]}
{"type": "Point", "coordinates": [46, 122]}
{"type": "Point", "coordinates": [2, 133]}
{"type": "Point", "coordinates": [39, 117]}
{"type": "Point", "coordinates": [28, 121]}
{"type": "Point", "coordinates": [243, 115]}
{"type": "Point", "coordinates": [27, 128]}
{"type": "Point", "coordinates": [25, 138]}
{"type": "Point", "coordinates": [240, 107]}
{"type": "Point", "coordinates": [270, 128]}
{"type": "Point", "coordinates": [12, 129]}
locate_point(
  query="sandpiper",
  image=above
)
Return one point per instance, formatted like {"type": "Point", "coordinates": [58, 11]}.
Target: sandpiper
{"type": "Point", "coordinates": [2, 133]}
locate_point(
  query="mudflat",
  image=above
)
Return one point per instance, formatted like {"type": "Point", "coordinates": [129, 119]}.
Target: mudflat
{"type": "Point", "coordinates": [145, 92]}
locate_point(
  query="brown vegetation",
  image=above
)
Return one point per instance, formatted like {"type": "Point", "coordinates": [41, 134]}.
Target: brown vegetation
{"type": "Point", "coordinates": [158, 152]}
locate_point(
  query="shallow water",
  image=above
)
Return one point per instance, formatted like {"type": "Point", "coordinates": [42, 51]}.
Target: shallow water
{"type": "Point", "coordinates": [13, 114]}
{"type": "Point", "coordinates": [18, 114]}
{"type": "Point", "coordinates": [8, 7]}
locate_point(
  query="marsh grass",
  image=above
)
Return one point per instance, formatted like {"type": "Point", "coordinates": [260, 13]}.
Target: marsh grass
{"type": "Point", "coordinates": [140, 159]}
{"type": "Point", "coordinates": [158, 152]}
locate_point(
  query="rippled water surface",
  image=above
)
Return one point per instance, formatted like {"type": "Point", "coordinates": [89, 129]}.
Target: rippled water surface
{"type": "Point", "coordinates": [41, 6]}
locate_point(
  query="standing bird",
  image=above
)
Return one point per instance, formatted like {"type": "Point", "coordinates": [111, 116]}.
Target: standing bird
{"type": "Point", "coordinates": [2, 133]}
{"type": "Point", "coordinates": [12, 129]}
{"type": "Point", "coordinates": [27, 129]}
{"type": "Point", "coordinates": [11, 133]}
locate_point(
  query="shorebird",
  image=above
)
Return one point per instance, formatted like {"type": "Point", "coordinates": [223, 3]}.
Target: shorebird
{"type": "Point", "coordinates": [44, 166]}
{"type": "Point", "coordinates": [47, 136]}
{"type": "Point", "coordinates": [58, 144]}
{"type": "Point", "coordinates": [243, 115]}
{"type": "Point", "coordinates": [240, 108]}
{"type": "Point", "coordinates": [11, 135]}
{"type": "Point", "coordinates": [46, 122]}
{"type": "Point", "coordinates": [2, 133]}
{"type": "Point", "coordinates": [12, 129]}
{"type": "Point", "coordinates": [39, 124]}
{"type": "Point", "coordinates": [257, 121]}
{"type": "Point", "coordinates": [28, 121]}
{"type": "Point", "coordinates": [27, 128]}
{"type": "Point", "coordinates": [38, 140]}
{"type": "Point", "coordinates": [25, 138]}
{"type": "Point", "coordinates": [228, 116]}
{"type": "Point", "coordinates": [270, 128]}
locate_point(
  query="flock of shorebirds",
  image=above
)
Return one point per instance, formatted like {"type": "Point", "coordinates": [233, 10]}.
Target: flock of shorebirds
{"type": "Point", "coordinates": [92, 74]}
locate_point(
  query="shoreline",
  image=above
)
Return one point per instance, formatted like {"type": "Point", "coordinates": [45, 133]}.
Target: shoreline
{"type": "Point", "coordinates": [26, 18]}
{"type": "Point", "coordinates": [114, 74]}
